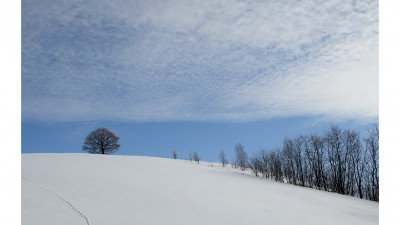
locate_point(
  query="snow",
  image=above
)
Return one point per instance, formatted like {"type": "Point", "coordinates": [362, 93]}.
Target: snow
{"type": "Point", "coordinates": [110, 189]}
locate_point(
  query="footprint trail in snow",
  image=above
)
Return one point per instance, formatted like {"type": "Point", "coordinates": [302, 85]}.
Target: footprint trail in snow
{"type": "Point", "coordinates": [61, 198]}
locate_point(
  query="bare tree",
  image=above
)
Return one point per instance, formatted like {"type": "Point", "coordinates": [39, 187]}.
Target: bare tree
{"type": "Point", "coordinates": [241, 156]}
{"type": "Point", "coordinates": [196, 157]}
{"type": "Point", "coordinates": [223, 158]}
{"type": "Point", "coordinates": [101, 141]}
{"type": "Point", "coordinates": [256, 164]}
{"type": "Point", "coordinates": [372, 151]}
{"type": "Point", "coordinates": [300, 146]}
{"type": "Point", "coordinates": [359, 160]}
{"type": "Point", "coordinates": [352, 159]}
{"type": "Point", "coordinates": [335, 148]}
{"type": "Point", "coordinates": [289, 160]}
{"type": "Point", "coordinates": [337, 161]}
{"type": "Point", "coordinates": [276, 165]}
{"type": "Point", "coordinates": [263, 154]}
{"type": "Point", "coordinates": [316, 158]}
{"type": "Point", "coordinates": [233, 163]}
{"type": "Point", "coordinates": [190, 156]}
{"type": "Point", "coordinates": [174, 154]}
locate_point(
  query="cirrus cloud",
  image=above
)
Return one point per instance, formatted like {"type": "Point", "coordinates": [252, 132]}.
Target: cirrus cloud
{"type": "Point", "coordinates": [199, 60]}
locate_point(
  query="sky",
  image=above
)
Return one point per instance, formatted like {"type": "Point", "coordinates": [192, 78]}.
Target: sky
{"type": "Point", "coordinates": [195, 75]}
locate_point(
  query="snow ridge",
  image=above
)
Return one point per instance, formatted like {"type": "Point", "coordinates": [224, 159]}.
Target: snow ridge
{"type": "Point", "coordinates": [61, 198]}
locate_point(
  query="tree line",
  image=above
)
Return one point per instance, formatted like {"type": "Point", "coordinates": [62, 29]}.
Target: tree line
{"type": "Point", "coordinates": [338, 161]}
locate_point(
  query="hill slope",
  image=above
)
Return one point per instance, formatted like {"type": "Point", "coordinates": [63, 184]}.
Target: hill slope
{"type": "Point", "coordinates": [103, 190]}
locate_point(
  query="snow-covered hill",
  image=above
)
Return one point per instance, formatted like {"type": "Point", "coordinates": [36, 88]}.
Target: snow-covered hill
{"type": "Point", "coordinates": [67, 189]}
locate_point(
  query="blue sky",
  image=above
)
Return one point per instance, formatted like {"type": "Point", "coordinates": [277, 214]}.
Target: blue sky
{"type": "Point", "coordinates": [195, 75]}
{"type": "Point", "coordinates": [162, 138]}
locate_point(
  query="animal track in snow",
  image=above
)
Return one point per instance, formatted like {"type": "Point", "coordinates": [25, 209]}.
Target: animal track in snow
{"type": "Point", "coordinates": [61, 198]}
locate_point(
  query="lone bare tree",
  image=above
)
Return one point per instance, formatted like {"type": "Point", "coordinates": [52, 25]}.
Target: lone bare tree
{"type": "Point", "coordinates": [241, 156]}
{"type": "Point", "coordinates": [174, 155]}
{"type": "Point", "coordinates": [190, 156]}
{"type": "Point", "coordinates": [101, 141]}
{"type": "Point", "coordinates": [196, 157]}
{"type": "Point", "coordinates": [223, 158]}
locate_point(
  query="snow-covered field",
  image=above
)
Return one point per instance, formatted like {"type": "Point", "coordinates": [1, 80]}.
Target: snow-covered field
{"type": "Point", "coordinates": [67, 189]}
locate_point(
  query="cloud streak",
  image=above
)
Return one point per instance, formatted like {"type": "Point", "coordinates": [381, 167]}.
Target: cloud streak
{"type": "Point", "coordinates": [199, 60]}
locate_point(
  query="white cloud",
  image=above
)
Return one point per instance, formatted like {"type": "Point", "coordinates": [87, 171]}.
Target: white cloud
{"type": "Point", "coordinates": [199, 60]}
